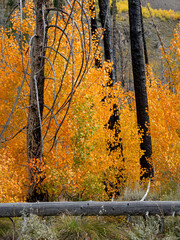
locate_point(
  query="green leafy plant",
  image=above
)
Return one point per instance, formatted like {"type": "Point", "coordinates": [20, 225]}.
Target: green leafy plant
{"type": "Point", "coordinates": [34, 227]}
{"type": "Point", "coordinates": [148, 230]}
{"type": "Point", "coordinates": [78, 228]}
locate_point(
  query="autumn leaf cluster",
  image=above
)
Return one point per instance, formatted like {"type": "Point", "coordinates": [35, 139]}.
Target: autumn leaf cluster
{"type": "Point", "coordinates": [78, 163]}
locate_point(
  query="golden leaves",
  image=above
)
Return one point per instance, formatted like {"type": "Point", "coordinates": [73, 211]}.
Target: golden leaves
{"type": "Point", "coordinates": [80, 162]}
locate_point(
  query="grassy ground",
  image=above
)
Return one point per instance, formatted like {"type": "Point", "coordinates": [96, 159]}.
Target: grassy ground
{"type": "Point", "coordinates": [165, 30]}
{"type": "Point", "coordinates": [163, 4]}
{"type": "Point", "coordinates": [92, 228]}
{"type": "Point", "coordinates": [96, 228]}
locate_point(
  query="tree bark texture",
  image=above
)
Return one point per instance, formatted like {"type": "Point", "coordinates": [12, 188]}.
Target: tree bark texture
{"type": "Point", "coordinates": [105, 17]}
{"type": "Point", "coordinates": [114, 121]}
{"type": "Point", "coordinates": [114, 10]}
{"type": "Point", "coordinates": [94, 30]}
{"type": "Point", "coordinates": [140, 84]}
{"type": "Point", "coordinates": [91, 208]}
{"type": "Point", "coordinates": [36, 101]}
{"type": "Point", "coordinates": [109, 56]}
{"type": "Point", "coordinates": [144, 40]}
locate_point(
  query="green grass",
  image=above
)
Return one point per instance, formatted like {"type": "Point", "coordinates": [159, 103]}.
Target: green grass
{"type": "Point", "coordinates": [97, 228]}
{"type": "Point", "coordinates": [91, 228]}
{"type": "Point", "coordinates": [69, 228]}
{"type": "Point", "coordinates": [151, 229]}
{"type": "Point", "coordinates": [6, 229]}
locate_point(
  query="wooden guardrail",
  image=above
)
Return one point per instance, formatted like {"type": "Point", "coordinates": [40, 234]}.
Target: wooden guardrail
{"type": "Point", "coordinates": [91, 208]}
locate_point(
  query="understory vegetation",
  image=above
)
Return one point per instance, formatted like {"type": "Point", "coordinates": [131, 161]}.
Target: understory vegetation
{"type": "Point", "coordinates": [80, 162]}
{"type": "Point", "coordinates": [97, 228]}
{"type": "Point", "coordinates": [77, 163]}
{"type": "Point", "coordinates": [163, 15]}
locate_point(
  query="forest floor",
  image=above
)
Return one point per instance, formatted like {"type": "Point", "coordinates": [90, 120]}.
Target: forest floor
{"type": "Point", "coordinates": [164, 4]}
{"type": "Point", "coordinates": [165, 30]}
{"type": "Point", "coordinates": [97, 228]}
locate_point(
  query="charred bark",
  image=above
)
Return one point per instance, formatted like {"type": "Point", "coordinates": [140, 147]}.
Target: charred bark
{"type": "Point", "coordinates": [114, 121]}
{"type": "Point", "coordinates": [109, 56]}
{"type": "Point", "coordinates": [92, 208]}
{"type": "Point", "coordinates": [36, 103]}
{"type": "Point", "coordinates": [140, 84]}
{"type": "Point", "coordinates": [94, 30]}
{"type": "Point", "coordinates": [105, 18]}
{"type": "Point", "coordinates": [114, 10]}
{"type": "Point", "coordinates": [144, 40]}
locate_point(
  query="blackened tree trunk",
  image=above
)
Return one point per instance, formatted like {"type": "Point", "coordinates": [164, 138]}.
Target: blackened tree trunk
{"type": "Point", "coordinates": [36, 103]}
{"type": "Point", "coordinates": [144, 40]}
{"type": "Point", "coordinates": [95, 39]}
{"type": "Point", "coordinates": [92, 9]}
{"type": "Point", "coordinates": [114, 10]}
{"type": "Point", "coordinates": [140, 84]}
{"type": "Point", "coordinates": [114, 121]}
{"type": "Point", "coordinates": [105, 17]}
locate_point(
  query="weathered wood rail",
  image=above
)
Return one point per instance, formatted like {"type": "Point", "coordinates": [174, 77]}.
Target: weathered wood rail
{"type": "Point", "coordinates": [91, 208]}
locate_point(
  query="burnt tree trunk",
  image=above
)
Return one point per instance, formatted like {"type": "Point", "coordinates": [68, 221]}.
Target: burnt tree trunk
{"type": "Point", "coordinates": [92, 208]}
{"type": "Point", "coordinates": [140, 84]}
{"type": "Point", "coordinates": [105, 17]}
{"type": "Point", "coordinates": [144, 40]}
{"type": "Point", "coordinates": [114, 10]}
{"type": "Point", "coordinates": [109, 56]}
{"type": "Point", "coordinates": [95, 39]}
{"type": "Point", "coordinates": [114, 121]}
{"type": "Point", "coordinates": [36, 103]}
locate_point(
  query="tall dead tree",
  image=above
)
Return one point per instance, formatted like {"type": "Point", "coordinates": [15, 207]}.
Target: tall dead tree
{"type": "Point", "coordinates": [92, 9]}
{"type": "Point", "coordinates": [38, 124]}
{"type": "Point", "coordinates": [144, 39]}
{"type": "Point", "coordinates": [109, 56]}
{"type": "Point", "coordinates": [94, 28]}
{"type": "Point", "coordinates": [114, 10]}
{"type": "Point", "coordinates": [35, 135]}
{"type": "Point", "coordinates": [36, 103]}
{"type": "Point", "coordinates": [138, 65]}
{"type": "Point", "coordinates": [114, 121]}
{"type": "Point", "coordinates": [105, 18]}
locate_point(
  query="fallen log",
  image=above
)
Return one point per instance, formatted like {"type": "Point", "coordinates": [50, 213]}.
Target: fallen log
{"type": "Point", "coordinates": [91, 208]}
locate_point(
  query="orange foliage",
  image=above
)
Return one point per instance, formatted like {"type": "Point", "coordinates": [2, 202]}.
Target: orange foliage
{"type": "Point", "coordinates": [164, 113]}
{"type": "Point", "coordinates": [80, 162]}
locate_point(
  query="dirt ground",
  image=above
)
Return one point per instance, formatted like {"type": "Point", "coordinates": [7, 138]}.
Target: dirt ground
{"type": "Point", "coordinates": [164, 4]}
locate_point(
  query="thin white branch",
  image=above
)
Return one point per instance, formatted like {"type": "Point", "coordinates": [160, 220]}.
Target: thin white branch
{"type": "Point", "coordinates": [54, 75]}
{"type": "Point", "coordinates": [19, 92]}
{"type": "Point", "coordinates": [57, 52]}
{"type": "Point", "coordinates": [145, 195]}
{"type": "Point", "coordinates": [44, 29]}
{"type": "Point", "coordinates": [52, 114]}
{"type": "Point", "coordinates": [39, 113]}
{"type": "Point", "coordinates": [21, 42]}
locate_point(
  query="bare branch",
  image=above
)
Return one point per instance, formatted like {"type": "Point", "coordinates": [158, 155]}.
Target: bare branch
{"type": "Point", "coordinates": [148, 188]}
{"type": "Point", "coordinates": [19, 92]}
{"type": "Point", "coordinates": [21, 33]}
{"type": "Point", "coordinates": [52, 114]}
{"type": "Point", "coordinates": [58, 52]}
